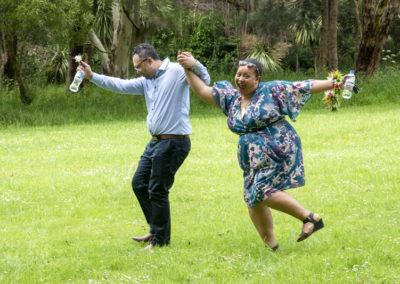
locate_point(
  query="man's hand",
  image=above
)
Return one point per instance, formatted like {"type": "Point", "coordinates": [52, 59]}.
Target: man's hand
{"type": "Point", "coordinates": [186, 59]}
{"type": "Point", "coordinates": [86, 69]}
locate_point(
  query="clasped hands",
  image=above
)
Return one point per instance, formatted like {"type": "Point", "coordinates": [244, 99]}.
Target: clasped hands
{"type": "Point", "coordinates": [186, 59]}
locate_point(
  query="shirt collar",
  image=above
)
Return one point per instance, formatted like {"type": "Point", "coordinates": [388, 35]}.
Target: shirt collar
{"type": "Point", "coordinates": [163, 66]}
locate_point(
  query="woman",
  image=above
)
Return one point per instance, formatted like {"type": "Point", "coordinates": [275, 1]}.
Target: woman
{"type": "Point", "coordinates": [269, 151]}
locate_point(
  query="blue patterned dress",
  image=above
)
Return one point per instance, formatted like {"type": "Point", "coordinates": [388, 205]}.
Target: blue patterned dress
{"type": "Point", "coordinates": [269, 150]}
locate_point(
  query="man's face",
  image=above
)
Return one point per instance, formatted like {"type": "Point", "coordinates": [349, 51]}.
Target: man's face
{"type": "Point", "coordinates": [143, 66]}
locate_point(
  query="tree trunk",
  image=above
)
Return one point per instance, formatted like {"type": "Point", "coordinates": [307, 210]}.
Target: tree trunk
{"type": "Point", "coordinates": [12, 49]}
{"type": "Point", "coordinates": [87, 53]}
{"type": "Point", "coordinates": [376, 20]}
{"type": "Point", "coordinates": [128, 31]}
{"type": "Point", "coordinates": [359, 29]}
{"type": "Point", "coordinates": [332, 34]}
{"type": "Point", "coordinates": [139, 32]}
{"type": "Point", "coordinates": [123, 17]}
{"type": "Point", "coordinates": [105, 60]}
{"type": "Point", "coordinates": [3, 56]}
{"type": "Point", "coordinates": [323, 43]}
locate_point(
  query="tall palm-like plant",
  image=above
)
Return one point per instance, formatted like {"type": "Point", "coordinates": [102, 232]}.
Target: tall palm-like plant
{"type": "Point", "coordinates": [103, 22]}
{"type": "Point", "coordinates": [269, 62]}
{"type": "Point", "coordinates": [306, 32]}
{"type": "Point", "coordinates": [57, 67]}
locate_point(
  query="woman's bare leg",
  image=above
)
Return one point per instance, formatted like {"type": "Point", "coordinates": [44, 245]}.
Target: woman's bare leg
{"type": "Point", "coordinates": [262, 219]}
{"type": "Point", "coordinates": [284, 202]}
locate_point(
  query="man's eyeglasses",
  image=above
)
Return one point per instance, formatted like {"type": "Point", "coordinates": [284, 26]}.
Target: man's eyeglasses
{"type": "Point", "coordinates": [251, 65]}
{"type": "Point", "coordinates": [140, 63]}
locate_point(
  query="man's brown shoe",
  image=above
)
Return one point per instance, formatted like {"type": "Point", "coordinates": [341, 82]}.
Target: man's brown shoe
{"type": "Point", "coordinates": [146, 238]}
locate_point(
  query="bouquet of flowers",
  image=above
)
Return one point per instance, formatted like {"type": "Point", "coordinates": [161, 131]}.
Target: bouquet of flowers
{"type": "Point", "coordinates": [331, 97]}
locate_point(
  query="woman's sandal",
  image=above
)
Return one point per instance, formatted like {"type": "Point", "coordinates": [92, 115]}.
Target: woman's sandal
{"type": "Point", "coordinates": [317, 226]}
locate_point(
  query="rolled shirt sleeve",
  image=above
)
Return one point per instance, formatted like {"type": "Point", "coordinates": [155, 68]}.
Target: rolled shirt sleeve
{"type": "Point", "coordinates": [201, 71]}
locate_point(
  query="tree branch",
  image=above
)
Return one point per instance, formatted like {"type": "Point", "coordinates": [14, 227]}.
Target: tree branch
{"type": "Point", "coordinates": [129, 18]}
{"type": "Point", "coordinates": [105, 61]}
{"type": "Point", "coordinates": [358, 19]}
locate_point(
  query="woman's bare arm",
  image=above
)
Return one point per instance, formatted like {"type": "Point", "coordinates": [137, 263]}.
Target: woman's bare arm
{"type": "Point", "coordinates": [200, 88]}
{"type": "Point", "coordinates": [324, 85]}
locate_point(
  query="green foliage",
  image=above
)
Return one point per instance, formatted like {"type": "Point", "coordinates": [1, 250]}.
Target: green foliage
{"type": "Point", "coordinates": [79, 20]}
{"type": "Point", "coordinates": [103, 22]}
{"type": "Point", "coordinates": [39, 24]}
{"type": "Point", "coordinates": [32, 65]}
{"type": "Point", "coordinates": [301, 55]}
{"type": "Point", "coordinates": [272, 18]}
{"type": "Point", "coordinates": [307, 31]}
{"type": "Point", "coordinates": [54, 105]}
{"type": "Point", "coordinates": [347, 34]}
{"type": "Point", "coordinates": [156, 13]}
{"type": "Point", "coordinates": [40, 21]}
{"type": "Point", "coordinates": [269, 63]}
{"type": "Point", "coordinates": [390, 57]}
{"type": "Point", "coordinates": [214, 36]}
{"type": "Point", "coordinates": [57, 66]}
{"type": "Point", "coordinates": [393, 42]}
{"type": "Point", "coordinates": [202, 34]}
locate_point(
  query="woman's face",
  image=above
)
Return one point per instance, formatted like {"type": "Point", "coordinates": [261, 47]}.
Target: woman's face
{"type": "Point", "coordinates": [246, 80]}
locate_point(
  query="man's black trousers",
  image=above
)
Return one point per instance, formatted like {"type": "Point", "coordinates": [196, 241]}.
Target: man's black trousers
{"type": "Point", "coordinates": [153, 178]}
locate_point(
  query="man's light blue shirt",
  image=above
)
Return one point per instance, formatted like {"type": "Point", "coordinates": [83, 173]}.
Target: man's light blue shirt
{"type": "Point", "coordinates": [166, 94]}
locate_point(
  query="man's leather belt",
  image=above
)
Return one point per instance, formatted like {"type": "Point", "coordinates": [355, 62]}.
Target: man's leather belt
{"type": "Point", "coordinates": [168, 136]}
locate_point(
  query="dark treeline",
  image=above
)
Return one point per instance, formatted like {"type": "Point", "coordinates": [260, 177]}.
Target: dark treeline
{"type": "Point", "coordinates": [38, 39]}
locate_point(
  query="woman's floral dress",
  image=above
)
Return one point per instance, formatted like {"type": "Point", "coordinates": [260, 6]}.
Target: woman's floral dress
{"type": "Point", "coordinates": [269, 150]}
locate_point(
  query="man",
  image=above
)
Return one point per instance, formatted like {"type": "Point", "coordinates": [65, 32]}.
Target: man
{"type": "Point", "coordinates": [166, 91]}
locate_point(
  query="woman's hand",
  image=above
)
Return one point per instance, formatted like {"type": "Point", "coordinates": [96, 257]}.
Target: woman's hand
{"type": "Point", "coordinates": [186, 59]}
{"type": "Point", "coordinates": [344, 78]}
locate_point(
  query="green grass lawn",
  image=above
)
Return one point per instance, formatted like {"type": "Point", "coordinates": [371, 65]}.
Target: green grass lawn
{"type": "Point", "coordinates": [67, 210]}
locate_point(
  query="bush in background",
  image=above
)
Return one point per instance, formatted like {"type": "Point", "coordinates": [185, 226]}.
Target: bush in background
{"type": "Point", "coordinates": [54, 105]}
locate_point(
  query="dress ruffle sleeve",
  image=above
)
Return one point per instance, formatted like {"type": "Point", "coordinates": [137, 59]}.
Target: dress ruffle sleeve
{"type": "Point", "coordinates": [225, 95]}
{"type": "Point", "coordinates": [292, 96]}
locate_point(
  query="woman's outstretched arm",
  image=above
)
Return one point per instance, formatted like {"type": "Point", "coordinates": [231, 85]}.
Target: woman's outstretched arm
{"type": "Point", "coordinates": [324, 85]}
{"type": "Point", "coordinates": [197, 85]}
{"type": "Point", "coordinates": [200, 88]}
{"type": "Point", "coordinates": [321, 86]}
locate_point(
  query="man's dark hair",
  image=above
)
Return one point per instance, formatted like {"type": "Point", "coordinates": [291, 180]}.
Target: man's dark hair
{"type": "Point", "coordinates": [145, 50]}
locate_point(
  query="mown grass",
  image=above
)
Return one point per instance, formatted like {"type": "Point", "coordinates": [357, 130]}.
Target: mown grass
{"type": "Point", "coordinates": [67, 210]}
